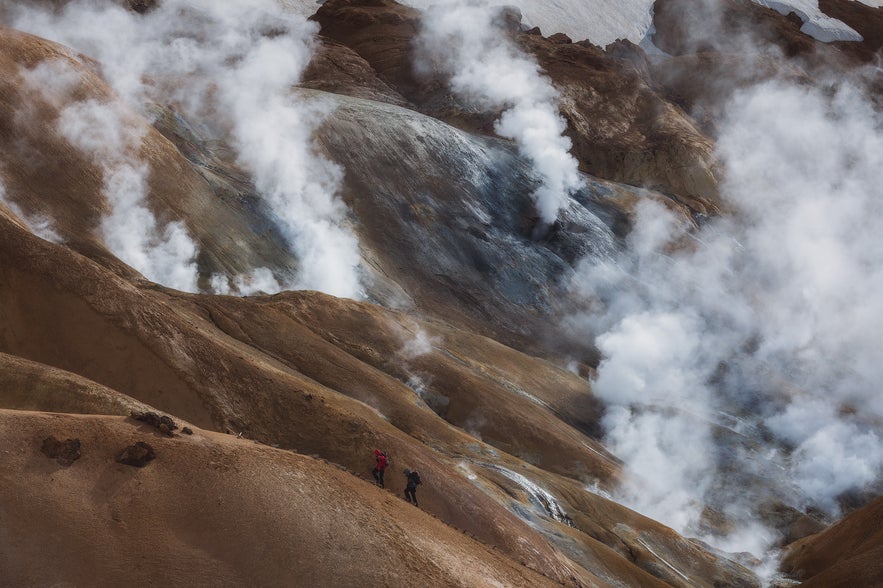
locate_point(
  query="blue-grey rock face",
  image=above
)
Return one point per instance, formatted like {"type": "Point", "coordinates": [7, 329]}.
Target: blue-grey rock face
{"type": "Point", "coordinates": [449, 215]}
{"type": "Point", "coordinates": [444, 218]}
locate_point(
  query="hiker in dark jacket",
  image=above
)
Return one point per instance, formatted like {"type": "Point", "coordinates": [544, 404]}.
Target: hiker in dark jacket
{"type": "Point", "coordinates": [381, 461]}
{"type": "Point", "coordinates": [413, 480]}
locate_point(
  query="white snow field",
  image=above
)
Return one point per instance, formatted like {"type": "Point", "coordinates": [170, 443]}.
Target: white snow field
{"type": "Point", "coordinates": [604, 21]}
{"type": "Point", "coordinates": [600, 21]}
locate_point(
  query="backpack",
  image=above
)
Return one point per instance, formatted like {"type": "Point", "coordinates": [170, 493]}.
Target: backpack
{"type": "Point", "coordinates": [414, 478]}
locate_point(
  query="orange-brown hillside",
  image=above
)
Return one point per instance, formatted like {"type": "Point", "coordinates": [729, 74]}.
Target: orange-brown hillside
{"type": "Point", "coordinates": [849, 553]}
{"type": "Point", "coordinates": [213, 510]}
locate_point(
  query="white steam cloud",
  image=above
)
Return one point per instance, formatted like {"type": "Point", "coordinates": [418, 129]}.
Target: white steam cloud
{"type": "Point", "coordinates": [130, 230]}
{"type": "Point", "coordinates": [467, 42]}
{"type": "Point", "coordinates": [417, 343]}
{"type": "Point", "coordinates": [107, 134]}
{"type": "Point", "coordinates": [39, 225]}
{"type": "Point", "coordinates": [765, 322]}
{"type": "Point", "coordinates": [235, 62]}
{"type": "Point", "coordinates": [258, 281]}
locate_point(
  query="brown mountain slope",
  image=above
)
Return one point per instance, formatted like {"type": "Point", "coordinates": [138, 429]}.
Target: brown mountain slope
{"type": "Point", "coordinates": [26, 385]}
{"type": "Point", "coordinates": [868, 21]}
{"type": "Point", "coordinates": [49, 177]}
{"type": "Point", "coordinates": [743, 26]}
{"type": "Point", "coordinates": [718, 48]}
{"type": "Point", "coordinates": [213, 510]}
{"type": "Point", "coordinates": [847, 554]}
{"type": "Point", "coordinates": [728, 26]}
{"type": "Point", "coordinates": [469, 260]}
{"type": "Point", "coordinates": [643, 141]}
{"type": "Point", "coordinates": [63, 310]}
{"type": "Point", "coordinates": [504, 440]}
{"type": "Point", "coordinates": [198, 358]}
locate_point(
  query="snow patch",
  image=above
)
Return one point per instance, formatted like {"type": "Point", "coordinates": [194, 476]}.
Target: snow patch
{"type": "Point", "coordinates": [816, 23]}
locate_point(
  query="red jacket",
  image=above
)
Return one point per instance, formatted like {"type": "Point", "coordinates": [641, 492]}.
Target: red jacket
{"type": "Point", "coordinates": [381, 460]}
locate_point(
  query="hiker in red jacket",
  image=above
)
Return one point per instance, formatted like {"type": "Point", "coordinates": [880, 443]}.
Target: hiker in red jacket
{"type": "Point", "coordinates": [381, 462]}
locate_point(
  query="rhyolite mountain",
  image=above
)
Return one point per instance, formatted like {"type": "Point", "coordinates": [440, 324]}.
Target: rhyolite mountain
{"type": "Point", "coordinates": [286, 395]}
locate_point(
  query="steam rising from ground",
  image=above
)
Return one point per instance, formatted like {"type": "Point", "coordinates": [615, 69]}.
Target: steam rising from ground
{"type": "Point", "coordinates": [766, 322]}
{"type": "Point", "coordinates": [41, 226]}
{"type": "Point", "coordinates": [468, 43]}
{"type": "Point", "coordinates": [130, 230]}
{"type": "Point", "coordinates": [109, 136]}
{"type": "Point", "coordinates": [235, 61]}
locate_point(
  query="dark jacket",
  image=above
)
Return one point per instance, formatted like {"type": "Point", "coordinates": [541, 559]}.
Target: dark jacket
{"type": "Point", "coordinates": [413, 480]}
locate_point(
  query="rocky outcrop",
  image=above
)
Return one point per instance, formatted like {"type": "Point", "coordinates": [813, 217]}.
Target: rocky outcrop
{"type": "Point", "coordinates": [137, 455]}
{"type": "Point", "coordinates": [64, 452]}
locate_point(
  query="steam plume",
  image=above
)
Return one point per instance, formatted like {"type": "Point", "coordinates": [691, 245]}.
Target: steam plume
{"type": "Point", "coordinates": [107, 134]}
{"type": "Point", "coordinates": [767, 324]}
{"type": "Point", "coordinates": [40, 225]}
{"type": "Point", "coordinates": [236, 62]}
{"type": "Point", "coordinates": [130, 231]}
{"type": "Point", "coordinates": [467, 42]}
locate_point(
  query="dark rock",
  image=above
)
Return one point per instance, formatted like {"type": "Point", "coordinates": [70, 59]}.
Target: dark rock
{"type": "Point", "coordinates": [138, 455]}
{"type": "Point", "coordinates": [164, 424]}
{"type": "Point", "coordinates": [142, 6]}
{"type": "Point", "coordinates": [560, 39]}
{"type": "Point", "coordinates": [511, 18]}
{"type": "Point", "coordinates": [65, 452]}
{"type": "Point", "coordinates": [625, 49]}
{"type": "Point", "coordinates": [187, 431]}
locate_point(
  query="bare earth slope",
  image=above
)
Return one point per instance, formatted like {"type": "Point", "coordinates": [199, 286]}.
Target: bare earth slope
{"type": "Point", "coordinates": [280, 372]}
{"type": "Point", "coordinates": [849, 553]}
{"type": "Point", "coordinates": [213, 510]}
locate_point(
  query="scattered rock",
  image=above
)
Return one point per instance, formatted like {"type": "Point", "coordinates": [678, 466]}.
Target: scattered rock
{"type": "Point", "coordinates": [65, 452]}
{"type": "Point", "coordinates": [187, 431]}
{"type": "Point", "coordinates": [138, 455]}
{"type": "Point", "coordinates": [163, 423]}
